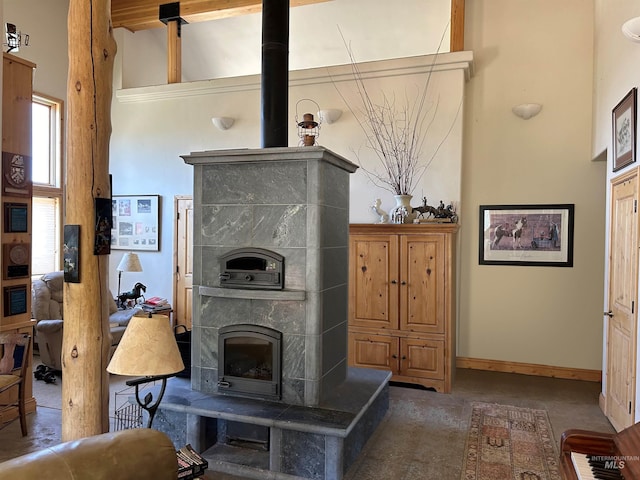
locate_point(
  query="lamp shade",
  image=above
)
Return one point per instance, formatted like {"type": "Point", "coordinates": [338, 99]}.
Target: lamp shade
{"type": "Point", "coordinates": [129, 263]}
{"type": "Point", "coordinates": [148, 348]}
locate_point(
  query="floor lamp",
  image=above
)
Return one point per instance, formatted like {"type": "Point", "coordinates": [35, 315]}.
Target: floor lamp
{"type": "Point", "coordinates": [148, 349]}
{"type": "Point", "coordinates": [129, 263]}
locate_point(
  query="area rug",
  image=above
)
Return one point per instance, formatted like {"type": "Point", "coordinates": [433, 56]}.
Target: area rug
{"type": "Point", "coordinates": [506, 442]}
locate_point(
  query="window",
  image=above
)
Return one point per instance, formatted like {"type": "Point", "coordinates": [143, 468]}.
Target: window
{"type": "Point", "coordinates": [48, 191]}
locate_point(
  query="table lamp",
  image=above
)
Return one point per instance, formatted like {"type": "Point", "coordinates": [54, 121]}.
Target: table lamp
{"type": "Point", "coordinates": [129, 263]}
{"type": "Point", "coordinates": [148, 349]}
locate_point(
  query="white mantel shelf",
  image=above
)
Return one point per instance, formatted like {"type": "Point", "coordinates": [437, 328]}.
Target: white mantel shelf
{"type": "Point", "coordinates": [252, 294]}
{"type": "Point", "coordinates": [331, 74]}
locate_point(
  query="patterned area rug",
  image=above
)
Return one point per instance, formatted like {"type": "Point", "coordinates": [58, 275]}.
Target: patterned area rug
{"type": "Point", "coordinates": [506, 442]}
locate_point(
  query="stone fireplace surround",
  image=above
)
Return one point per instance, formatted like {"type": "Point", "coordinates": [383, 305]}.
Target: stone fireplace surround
{"type": "Point", "coordinates": [293, 201]}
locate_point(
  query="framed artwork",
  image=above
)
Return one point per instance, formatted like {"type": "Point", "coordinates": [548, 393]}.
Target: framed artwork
{"type": "Point", "coordinates": [624, 131]}
{"type": "Point", "coordinates": [15, 300]}
{"type": "Point", "coordinates": [72, 253]}
{"type": "Point", "coordinates": [16, 218]}
{"type": "Point", "coordinates": [104, 217]}
{"type": "Point", "coordinates": [535, 235]}
{"type": "Point", "coordinates": [135, 222]}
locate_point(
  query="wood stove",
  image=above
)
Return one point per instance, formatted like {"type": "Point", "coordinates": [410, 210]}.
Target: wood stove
{"type": "Point", "coordinates": [250, 358]}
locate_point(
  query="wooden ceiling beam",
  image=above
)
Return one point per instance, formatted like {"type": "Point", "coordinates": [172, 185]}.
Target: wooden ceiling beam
{"type": "Point", "coordinates": [137, 15]}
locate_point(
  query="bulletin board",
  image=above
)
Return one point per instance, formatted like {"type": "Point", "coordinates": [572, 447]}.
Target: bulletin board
{"type": "Point", "coordinates": [135, 224]}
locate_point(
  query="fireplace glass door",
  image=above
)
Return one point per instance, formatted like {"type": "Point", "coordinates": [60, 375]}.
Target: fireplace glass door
{"type": "Point", "coordinates": [249, 358]}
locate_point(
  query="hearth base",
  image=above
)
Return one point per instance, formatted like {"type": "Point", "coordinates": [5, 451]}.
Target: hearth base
{"type": "Point", "coordinates": [318, 443]}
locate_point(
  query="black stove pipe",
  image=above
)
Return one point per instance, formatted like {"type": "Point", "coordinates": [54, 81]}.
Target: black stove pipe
{"type": "Point", "coordinates": [275, 73]}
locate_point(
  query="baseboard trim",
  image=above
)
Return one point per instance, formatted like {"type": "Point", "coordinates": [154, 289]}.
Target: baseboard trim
{"type": "Point", "coordinates": [529, 369]}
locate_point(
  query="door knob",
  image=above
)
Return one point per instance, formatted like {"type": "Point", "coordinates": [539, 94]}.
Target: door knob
{"type": "Point", "coordinates": [393, 282]}
{"type": "Point", "coordinates": [609, 314]}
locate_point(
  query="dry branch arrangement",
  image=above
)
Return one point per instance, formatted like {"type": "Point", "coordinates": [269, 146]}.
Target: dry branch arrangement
{"type": "Point", "coordinates": [396, 131]}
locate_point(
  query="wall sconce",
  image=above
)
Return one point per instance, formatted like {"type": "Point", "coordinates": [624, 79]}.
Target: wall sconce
{"type": "Point", "coordinates": [527, 110]}
{"type": "Point", "coordinates": [631, 29]}
{"type": "Point", "coordinates": [330, 115]}
{"type": "Point", "coordinates": [222, 123]}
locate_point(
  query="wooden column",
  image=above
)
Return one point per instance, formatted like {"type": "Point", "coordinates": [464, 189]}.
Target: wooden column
{"type": "Point", "coordinates": [174, 52]}
{"type": "Point", "coordinates": [86, 342]}
{"type": "Point", "coordinates": [457, 25]}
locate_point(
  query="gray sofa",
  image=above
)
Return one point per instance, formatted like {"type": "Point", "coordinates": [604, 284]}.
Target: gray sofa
{"type": "Point", "coordinates": [48, 310]}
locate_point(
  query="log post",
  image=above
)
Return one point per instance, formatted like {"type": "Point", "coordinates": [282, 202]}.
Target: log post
{"type": "Point", "coordinates": [174, 52]}
{"type": "Point", "coordinates": [86, 340]}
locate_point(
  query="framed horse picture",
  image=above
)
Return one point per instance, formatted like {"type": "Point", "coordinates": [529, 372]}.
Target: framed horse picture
{"type": "Point", "coordinates": [537, 235]}
{"type": "Point", "coordinates": [624, 130]}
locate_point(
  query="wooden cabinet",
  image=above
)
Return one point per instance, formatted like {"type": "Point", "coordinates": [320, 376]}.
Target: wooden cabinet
{"type": "Point", "coordinates": [15, 212]}
{"type": "Point", "coordinates": [402, 301]}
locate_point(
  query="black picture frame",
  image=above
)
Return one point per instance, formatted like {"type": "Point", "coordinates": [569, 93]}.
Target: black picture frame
{"type": "Point", "coordinates": [104, 224]}
{"type": "Point", "coordinates": [72, 253]}
{"type": "Point", "coordinates": [16, 217]}
{"type": "Point", "coordinates": [527, 235]}
{"type": "Point", "coordinates": [624, 130]}
{"type": "Point", "coordinates": [15, 300]}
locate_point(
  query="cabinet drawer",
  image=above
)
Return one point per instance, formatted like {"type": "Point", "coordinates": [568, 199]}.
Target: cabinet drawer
{"type": "Point", "coordinates": [373, 351]}
{"type": "Point", "coordinates": [422, 358]}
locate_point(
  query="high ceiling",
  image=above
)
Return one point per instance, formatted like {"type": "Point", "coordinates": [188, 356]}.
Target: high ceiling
{"type": "Point", "coordinates": [137, 15]}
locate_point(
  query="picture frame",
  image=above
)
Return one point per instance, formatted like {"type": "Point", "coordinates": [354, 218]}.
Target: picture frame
{"type": "Point", "coordinates": [16, 217]}
{"type": "Point", "coordinates": [624, 130]}
{"type": "Point", "coordinates": [15, 300]}
{"type": "Point", "coordinates": [72, 253]}
{"type": "Point", "coordinates": [527, 235]}
{"type": "Point", "coordinates": [104, 226]}
{"type": "Point", "coordinates": [135, 222]}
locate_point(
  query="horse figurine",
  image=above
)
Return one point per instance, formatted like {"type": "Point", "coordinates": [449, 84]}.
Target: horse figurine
{"type": "Point", "coordinates": [134, 294]}
{"type": "Point", "coordinates": [376, 208]}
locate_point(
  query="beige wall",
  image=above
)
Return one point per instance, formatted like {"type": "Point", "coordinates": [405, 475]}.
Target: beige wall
{"type": "Point", "coordinates": [532, 51]}
{"type": "Point", "coordinates": [524, 50]}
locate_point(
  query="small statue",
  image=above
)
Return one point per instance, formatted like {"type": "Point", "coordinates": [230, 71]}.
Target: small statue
{"type": "Point", "coordinates": [376, 208]}
{"type": "Point", "coordinates": [134, 294]}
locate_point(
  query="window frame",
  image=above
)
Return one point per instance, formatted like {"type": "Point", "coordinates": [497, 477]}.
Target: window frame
{"type": "Point", "coordinates": [56, 187]}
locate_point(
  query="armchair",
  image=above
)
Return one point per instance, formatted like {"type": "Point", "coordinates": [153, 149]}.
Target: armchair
{"type": "Point", "coordinates": [48, 310]}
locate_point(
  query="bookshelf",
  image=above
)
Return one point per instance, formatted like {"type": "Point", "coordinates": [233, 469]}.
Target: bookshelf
{"type": "Point", "coordinates": [15, 211]}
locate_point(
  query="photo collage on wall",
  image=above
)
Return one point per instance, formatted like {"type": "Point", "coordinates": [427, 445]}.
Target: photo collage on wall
{"type": "Point", "coordinates": [135, 222]}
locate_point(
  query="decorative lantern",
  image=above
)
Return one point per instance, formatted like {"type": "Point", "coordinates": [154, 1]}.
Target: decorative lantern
{"type": "Point", "coordinates": [308, 128]}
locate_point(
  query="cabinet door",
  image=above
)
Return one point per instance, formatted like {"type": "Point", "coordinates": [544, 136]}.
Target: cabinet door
{"type": "Point", "coordinates": [373, 281]}
{"type": "Point", "coordinates": [422, 358]}
{"type": "Point", "coordinates": [373, 351]}
{"type": "Point", "coordinates": [422, 283]}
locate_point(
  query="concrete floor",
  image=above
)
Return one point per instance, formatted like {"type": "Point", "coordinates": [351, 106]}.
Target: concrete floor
{"type": "Point", "coordinates": [422, 436]}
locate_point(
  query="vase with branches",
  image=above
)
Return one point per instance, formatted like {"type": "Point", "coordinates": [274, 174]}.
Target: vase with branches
{"type": "Point", "coordinates": [396, 130]}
